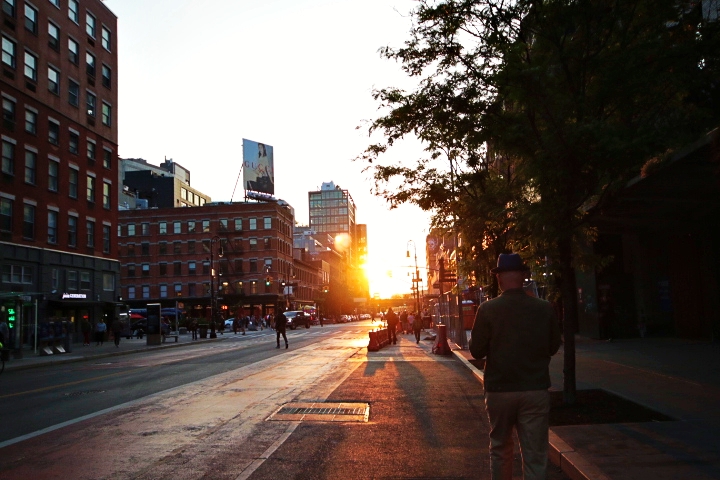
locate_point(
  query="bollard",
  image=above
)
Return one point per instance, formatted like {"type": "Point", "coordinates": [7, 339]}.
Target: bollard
{"type": "Point", "coordinates": [383, 336]}
{"type": "Point", "coordinates": [441, 346]}
{"type": "Point", "coordinates": [373, 346]}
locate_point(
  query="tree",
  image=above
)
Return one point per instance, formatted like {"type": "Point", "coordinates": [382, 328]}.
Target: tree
{"type": "Point", "coordinates": [571, 97]}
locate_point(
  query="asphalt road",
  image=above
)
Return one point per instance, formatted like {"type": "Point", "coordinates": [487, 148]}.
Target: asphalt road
{"type": "Point", "coordinates": [36, 399]}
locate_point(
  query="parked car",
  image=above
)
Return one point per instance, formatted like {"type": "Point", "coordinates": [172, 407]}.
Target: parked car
{"type": "Point", "coordinates": [295, 318]}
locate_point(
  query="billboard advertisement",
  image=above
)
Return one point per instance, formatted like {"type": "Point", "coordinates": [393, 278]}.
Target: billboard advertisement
{"type": "Point", "coordinates": [258, 167]}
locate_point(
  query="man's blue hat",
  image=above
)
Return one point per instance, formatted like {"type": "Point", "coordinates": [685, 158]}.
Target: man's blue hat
{"type": "Point", "coordinates": [510, 262]}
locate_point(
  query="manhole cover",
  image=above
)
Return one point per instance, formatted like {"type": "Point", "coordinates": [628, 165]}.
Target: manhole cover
{"type": "Point", "coordinates": [323, 412]}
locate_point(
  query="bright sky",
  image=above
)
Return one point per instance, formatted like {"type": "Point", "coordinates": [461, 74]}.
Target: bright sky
{"type": "Point", "coordinates": [197, 77]}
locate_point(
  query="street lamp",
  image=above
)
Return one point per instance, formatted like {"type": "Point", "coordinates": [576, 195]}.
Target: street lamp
{"type": "Point", "coordinates": [416, 277]}
{"type": "Point", "coordinates": [213, 295]}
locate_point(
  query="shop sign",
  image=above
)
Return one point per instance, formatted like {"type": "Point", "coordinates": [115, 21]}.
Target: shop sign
{"type": "Point", "coordinates": [74, 296]}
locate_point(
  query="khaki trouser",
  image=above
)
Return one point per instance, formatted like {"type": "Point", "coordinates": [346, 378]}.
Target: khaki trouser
{"type": "Point", "coordinates": [527, 412]}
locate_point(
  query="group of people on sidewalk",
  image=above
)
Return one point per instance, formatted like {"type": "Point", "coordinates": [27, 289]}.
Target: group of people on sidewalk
{"type": "Point", "coordinates": [406, 322]}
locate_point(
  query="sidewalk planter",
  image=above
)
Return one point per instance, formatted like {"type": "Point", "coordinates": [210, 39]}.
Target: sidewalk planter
{"type": "Point", "coordinates": [203, 330]}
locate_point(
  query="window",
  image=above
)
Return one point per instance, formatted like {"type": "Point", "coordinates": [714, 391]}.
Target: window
{"type": "Point", "coordinates": [223, 224]}
{"type": "Point", "coordinates": [6, 214]}
{"type": "Point", "coordinates": [90, 63]}
{"type": "Point", "coordinates": [106, 114]}
{"type": "Point", "coordinates": [72, 280]}
{"type": "Point", "coordinates": [30, 167]}
{"type": "Point", "coordinates": [178, 289]}
{"type": "Point", "coordinates": [52, 226]}
{"type": "Point", "coordinates": [145, 248]}
{"type": "Point", "coordinates": [55, 2]}
{"type": "Point", "coordinates": [73, 51]}
{"type": "Point", "coordinates": [90, 24]}
{"type": "Point", "coordinates": [238, 265]}
{"type": "Point", "coordinates": [8, 157]}
{"type": "Point", "coordinates": [191, 246]}
{"type": "Point", "coordinates": [162, 228]}
{"type": "Point", "coordinates": [177, 227]}
{"type": "Point", "coordinates": [72, 231]}
{"type": "Point", "coordinates": [53, 81]}
{"type": "Point", "coordinates": [74, 144]}
{"type": "Point", "coordinates": [31, 117]}
{"type": "Point", "coordinates": [145, 269]}
{"type": "Point", "coordinates": [106, 76]}
{"type": "Point", "coordinates": [8, 107]}
{"type": "Point", "coordinates": [163, 291]}
{"type": "Point", "coordinates": [266, 243]}
{"type": "Point", "coordinates": [131, 270]}
{"type": "Point", "coordinates": [238, 224]}
{"type": "Point", "coordinates": [206, 226]}
{"type": "Point", "coordinates": [177, 268]}
{"type": "Point", "coordinates": [253, 224]}
{"type": "Point", "coordinates": [31, 19]}
{"type": "Point", "coordinates": [73, 183]}
{"type": "Point", "coordinates": [106, 38]}
{"type": "Point", "coordinates": [53, 173]}
{"type": "Point", "coordinates": [191, 289]}
{"type": "Point", "coordinates": [162, 248]}
{"type": "Point", "coordinates": [29, 222]}
{"type": "Point", "coordinates": [206, 268]}
{"type": "Point", "coordinates": [90, 191]}
{"type": "Point", "coordinates": [177, 248]}
{"type": "Point", "coordinates": [90, 228]}
{"type": "Point", "coordinates": [91, 150]}
{"type": "Point", "coordinates": [17, 274]}
{"type": "Point", "coordinates": [131, 292]}
{"type": "Point", "coordinates": [8, 52]}
{"type": "Point", "coordinates": [146, 291]}
{"type": "Point", "coordinates": [253, 244]}
{"type": "Point", "coordinates": [108, 282]}
{"type": "Point", "coordinates": [8, 7]}
{"type": "Point", "coordinates": [191, 268]}
{"type": "Point", "coordinates": [74, 11]}
{"type": "Point", "coordinates": [107, 158]}
{"type": "Point", "coordinates": [31, 66]}
{"type": "Point", "coordinates": [91, 103]}
{"type": "Point", "coordinates": [84, 280]}
{"type": "Point", "coordinates": [106, 195]}
{"type": "Point", "coordinates": [252, 267]}
{"type": "Point", "coordinates": [267, 221]}
{"type": "Point", "coordinates": [53, 36]}
{"type": "Point", "coordinates": [163, 268]}
{"type": "Point", "coordinates": [144, 229]}
{"type": "Point", "coordinates": [106, 238]}
{"type": "Point", "coordinates": [73, 93]}
{"type": "Point", "coordinates": [191, 226]}
{"type": "Point", "coordinates": [131, 229]}
{"type": "Point", "coordinates": [54, 278]}
{"type": "Point", "coordinates": [53, 132]}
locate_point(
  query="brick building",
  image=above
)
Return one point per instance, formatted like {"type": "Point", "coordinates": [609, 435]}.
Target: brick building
{"type": "Point", "coordinates": [166, 256]}
{"type": "Point", "coordinates": [59, 176]}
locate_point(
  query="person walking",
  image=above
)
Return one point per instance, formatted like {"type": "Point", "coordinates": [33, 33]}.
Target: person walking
{"type": "Point", "coordinates": [517, 334]}
{"type": "Point", "coordinates": [392, 322]}
{"type": "Point", "coordinates": [100, 329]}
{"type": "Point", "coordinates": [116, 328]}
{"type": "Point", "coordinates": [280, 323]}
{"type": "Point", "coordinates": [417, 325]}
{"type": "Point", "coordinates": [194, 328]}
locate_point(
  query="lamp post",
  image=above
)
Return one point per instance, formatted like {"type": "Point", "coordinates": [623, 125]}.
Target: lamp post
{"type": "Point", "coordinates": [416, 277]}
{"type": "Point", "coordinates": [213, 295]}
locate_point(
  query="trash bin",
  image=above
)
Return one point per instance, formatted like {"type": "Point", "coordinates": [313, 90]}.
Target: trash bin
{"type": "Point", "coordinates": [203, 329]}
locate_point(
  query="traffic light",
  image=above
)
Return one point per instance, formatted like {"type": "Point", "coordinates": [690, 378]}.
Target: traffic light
{"type": "Point", "coordinates": [268, 281]}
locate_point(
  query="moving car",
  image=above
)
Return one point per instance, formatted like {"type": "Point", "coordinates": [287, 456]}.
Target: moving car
{"type": "Point", "coordinates": [295, 318]}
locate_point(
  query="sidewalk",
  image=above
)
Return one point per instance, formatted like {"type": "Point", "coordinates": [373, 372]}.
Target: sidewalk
{"type": "Point", "coordinates": [679, 378]}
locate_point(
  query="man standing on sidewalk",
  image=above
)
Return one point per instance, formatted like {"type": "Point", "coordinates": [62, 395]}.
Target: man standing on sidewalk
{"type": "Point", "coordinates": [518, 334]}
{"type": "Point", "coordinates": [280, 324]}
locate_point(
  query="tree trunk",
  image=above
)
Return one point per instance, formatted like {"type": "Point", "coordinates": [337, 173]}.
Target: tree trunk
{"type": "Point", "coordinates": [570, 316]}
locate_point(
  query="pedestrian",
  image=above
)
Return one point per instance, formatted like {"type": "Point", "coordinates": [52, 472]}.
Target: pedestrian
{"type": "Point", "coordinates": [116, 328]}
{"type": "Point", "coordinates": [392, 323]}
{"type": "Point", "coordinates": [417, 325]}
{"type": "Point", "coordinates": [86, 330]}
{"type": "Point", "coordinates": [194, 328]}
{"type": "Point", "coordinates": [4, 331]}
{"type": "Point", "coordinates": [280, 323]}
{"type": "Point", "coordinates": [100, 329]}
{"type": "Point", "coordinates": [236, 325]}
{"type": "Point", "coordinates": [404, 322]}
{"type": "Point", "coordinates": [517, 334]}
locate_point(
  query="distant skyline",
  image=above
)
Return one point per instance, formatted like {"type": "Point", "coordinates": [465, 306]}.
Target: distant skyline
{"type": "Point", "coordinates": [196, 78]}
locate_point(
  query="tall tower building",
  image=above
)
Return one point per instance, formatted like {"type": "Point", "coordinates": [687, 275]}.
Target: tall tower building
{"type": "Point", "coordinates": [59, 176]}
{"type": "Point", "coordinates": [332, 211]}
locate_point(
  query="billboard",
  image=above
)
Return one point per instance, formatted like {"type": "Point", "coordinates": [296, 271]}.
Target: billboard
{"type": "Point", "coordinates": [258, 167]}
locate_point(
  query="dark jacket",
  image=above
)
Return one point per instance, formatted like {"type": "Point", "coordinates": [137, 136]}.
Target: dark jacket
{"type": "Point", "coordinates": [518, 334]}
{"type": "Point", "coordinates": [280, 322]}
{"type": "Point", "coordinates": [391, 318]}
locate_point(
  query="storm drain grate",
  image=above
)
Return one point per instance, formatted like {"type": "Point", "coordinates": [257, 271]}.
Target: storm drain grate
{"type": "Point", "coordinates": [323, 412]}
